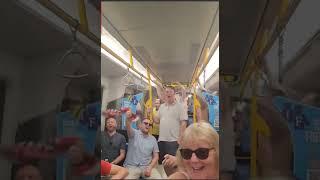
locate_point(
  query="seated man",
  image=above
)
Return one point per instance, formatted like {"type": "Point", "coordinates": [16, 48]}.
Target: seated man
{"type": "Point", "coordinates": [28, 171]}
{"type": "Point", "coordinates": [113, 144]}
{"type": "Point", "coordinates": [143, 151]}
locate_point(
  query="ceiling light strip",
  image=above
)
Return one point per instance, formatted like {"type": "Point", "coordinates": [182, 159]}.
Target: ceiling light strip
{"type": "Point", "coordinates": [196, 69]}
{"type": "Point", "coordinates": [130, 47]}
{"type": "Point", "coordinates": [104, 47]}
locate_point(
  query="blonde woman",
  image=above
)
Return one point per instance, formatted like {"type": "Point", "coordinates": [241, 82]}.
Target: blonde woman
{"type": "Point", "coordinates": [198, 153]}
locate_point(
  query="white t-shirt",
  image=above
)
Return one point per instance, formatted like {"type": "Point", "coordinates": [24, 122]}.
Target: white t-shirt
{"type": "Point", "coordinates": [170, 117]}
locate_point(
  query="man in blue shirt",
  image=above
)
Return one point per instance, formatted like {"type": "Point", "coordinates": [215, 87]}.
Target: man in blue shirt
{"type": "Point", "coordinates": [143, 151]}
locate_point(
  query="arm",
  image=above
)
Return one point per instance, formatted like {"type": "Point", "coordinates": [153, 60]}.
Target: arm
{"type": "Point", "coordinates": [122, 151]}
{"type": "Point", "coordinates": [202, 113]}
{"type": "Point", "coordinates": [120, 157]}
{"type": "Point", "coordinates": [155, 159]}
{"type": "Point", "coordinates": [118, 172]}
{"type": "Point", "coordinates": [183, 121]}
{"type": "Point", "coordinates": [183, 126]}
{"type": "Point", "coordinates": [130, 131]}
{"type": "Point", "coordinates": [153, 163]}
{"type": "Point", "coordinates": [160, 93]}
{"type": "Point", "coordinates": [156, 117]}
{"type": "Point", "coordinates": [183, 91]}
{"type": "Point", "coordinates": [169, 161]}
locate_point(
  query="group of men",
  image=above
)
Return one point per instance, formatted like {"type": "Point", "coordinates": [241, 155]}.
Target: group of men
{"type": "Point", "coordinates": [148, 145]}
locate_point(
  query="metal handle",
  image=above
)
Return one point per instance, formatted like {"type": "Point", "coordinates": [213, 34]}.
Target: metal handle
{"type": "Point", "coordinates": [62, 59]}
{"type": "Point", "coordinates": [70, 52]}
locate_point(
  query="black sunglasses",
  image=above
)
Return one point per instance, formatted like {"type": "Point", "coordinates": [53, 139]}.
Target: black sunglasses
{"type": "Point", "coordinates": [145, 123]}
{"type": "Point", "coordinates": [201, 153]}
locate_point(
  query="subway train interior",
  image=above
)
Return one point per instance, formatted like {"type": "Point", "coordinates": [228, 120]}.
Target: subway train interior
{"type": "Point", "coordinates": [248, 69]}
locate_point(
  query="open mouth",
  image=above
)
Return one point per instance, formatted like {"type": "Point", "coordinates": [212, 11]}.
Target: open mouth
{"type": "Point", "coordinates": [197, 169]}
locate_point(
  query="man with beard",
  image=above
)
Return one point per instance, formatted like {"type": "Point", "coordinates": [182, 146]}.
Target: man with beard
{"type": "Point", "coordinates": [113, 144]}
{"type": "Point", "coordinates": [143, 151]}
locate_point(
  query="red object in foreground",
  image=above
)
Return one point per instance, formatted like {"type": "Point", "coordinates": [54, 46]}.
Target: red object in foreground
{"type": "Point", "coordinates": [27, 152]}
{"type": "Point", "coordinates": [105, 168]}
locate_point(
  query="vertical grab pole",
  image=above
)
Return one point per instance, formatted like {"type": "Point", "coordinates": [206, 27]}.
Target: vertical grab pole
{"type": "Point", "coordinates": [258, 126]}
{"type": "Point", "coordinates": [150, 93]}
{"type": "Point", "coordinates": [253, 137]}
{"type": "Point", "coordinates": [194, 104]}
{"type": "Point", "coordinates": [83, 16]}
{"type": "Point", "coordinates": [131, 58]}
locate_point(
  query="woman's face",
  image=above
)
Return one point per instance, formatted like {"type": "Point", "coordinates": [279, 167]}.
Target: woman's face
{"type": "Point", "coordinates": [201, 169]}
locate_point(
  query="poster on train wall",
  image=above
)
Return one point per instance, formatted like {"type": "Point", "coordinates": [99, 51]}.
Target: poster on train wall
{"type": "Point", "coordinates": [304, 124]}
{"type": "Point", "coordinates": [213, 106]}
{"type": "Point", "coordinates": [132, 103]}
{"type": "Point", "coordinates": [84, 127]}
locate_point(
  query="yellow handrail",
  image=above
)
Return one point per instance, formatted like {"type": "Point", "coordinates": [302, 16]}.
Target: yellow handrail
{"type": "Point", "coordinates": [83, 16]}
{"type": "Point", "coordinates": [131, 58]}
{"type": "Point", "coordinates": [150, 94]}
{"type": "Point", "coordinates": [68, 19]}
{"type": "Point", "coordinates": [194, 105]}
{"type": "Point", "coordinates": [85, 31]}
{"type": "Point", "coordinates": [127, 64]}
{"type": "Point", "coordinates": [258, 125]}
{"type": "Point", "coordinates": [266, 39]}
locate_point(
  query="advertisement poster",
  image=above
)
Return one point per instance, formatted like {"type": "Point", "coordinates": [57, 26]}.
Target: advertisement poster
{"type": "Point", "coordinates": [132, 103]}
{"type": "Point", "coordinates": [86, 128]}
{"type": "Point", "coordinates": [304, 125]}
{"type": "Point", "coordinates": [213, 106]}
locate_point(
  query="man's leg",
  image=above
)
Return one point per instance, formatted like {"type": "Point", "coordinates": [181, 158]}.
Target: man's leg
{"type": "Point", "coordinates": [162, 151]}
{"type": "Point", "coordinates": [134, 173]}
{"type": "Point", "coordinates": [154, 174]}
{"type": "Point", "coordinates": [170, 148]}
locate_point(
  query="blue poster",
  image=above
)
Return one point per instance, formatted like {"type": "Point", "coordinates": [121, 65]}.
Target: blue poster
{"type": "Point", "coordinates": [304, 125]}
{"type": "Point", "coordinates": [125, 103]}
{"type": "Point", "coordinates": [89, 123]}
{"type": "Point", "coordinates": [86, 128]}
{"type": "Point", "coordinates": [216, 112]}
{"type": "Point", "coordinates": [213, 106]}
{"type": "Point", "coordinates": [132, 103]}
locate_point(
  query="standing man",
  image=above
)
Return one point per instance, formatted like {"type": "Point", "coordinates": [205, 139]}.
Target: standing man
{"type": "Point", "coordinates": [143, 151]}
{"type": "Point", "coordinates": [173, 118]}
{"type": "Point", "coordinates": [113, 144]}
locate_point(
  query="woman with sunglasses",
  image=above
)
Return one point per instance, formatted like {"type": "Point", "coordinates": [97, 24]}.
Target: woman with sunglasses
{"type": "Point", "coordinates": [198, 154]}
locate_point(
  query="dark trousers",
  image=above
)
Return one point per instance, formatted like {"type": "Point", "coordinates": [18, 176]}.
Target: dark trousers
{"type": "Point", "coordinates": [167, 148]}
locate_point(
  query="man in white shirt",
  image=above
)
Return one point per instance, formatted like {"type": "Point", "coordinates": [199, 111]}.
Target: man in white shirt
{"type": "Point", "coordinates": [173, 121]}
